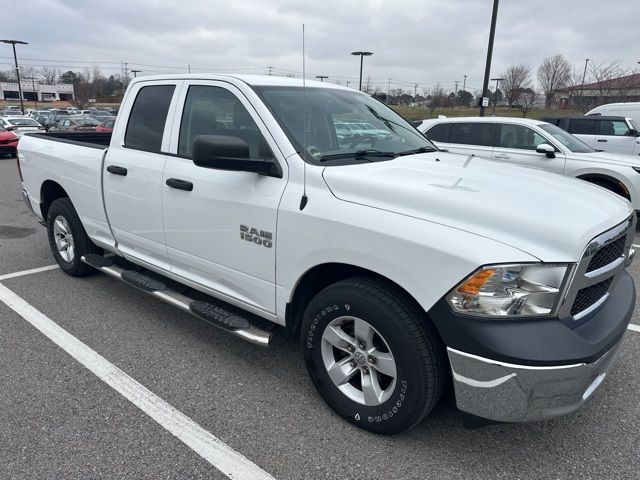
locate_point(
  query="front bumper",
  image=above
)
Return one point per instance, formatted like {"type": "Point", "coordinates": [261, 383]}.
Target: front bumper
{"type": "Point", "coordinates": [506, 392]}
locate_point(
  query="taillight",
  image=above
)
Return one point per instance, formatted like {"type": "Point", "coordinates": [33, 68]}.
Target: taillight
{"type": "Point", "coordinates": [19, 169]}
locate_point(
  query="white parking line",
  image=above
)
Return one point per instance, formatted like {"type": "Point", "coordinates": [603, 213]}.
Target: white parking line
{"type": "Point", "coordinates": [635, 246]}
{"type": "Point", "coordinates": [635, 328]}
{"type": "Point", "coordinates": [28, 272]}
{"type": "Point", "coordinates": [217, 453]}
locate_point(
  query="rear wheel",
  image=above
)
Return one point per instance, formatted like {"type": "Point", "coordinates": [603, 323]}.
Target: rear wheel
{"type": "Point", "coordinates": [373, 355]}
{"type": "Point", "coordinates": [68, 239]}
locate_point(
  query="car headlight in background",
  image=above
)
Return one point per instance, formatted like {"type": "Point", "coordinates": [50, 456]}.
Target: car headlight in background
{"type": "Point", "coordinates": [506, 290]}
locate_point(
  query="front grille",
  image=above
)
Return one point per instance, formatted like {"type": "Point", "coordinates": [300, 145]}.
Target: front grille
{"type": "Point", "coordinates": [607, 254]}
{"type": "Point", "coordinates": [590, 295]}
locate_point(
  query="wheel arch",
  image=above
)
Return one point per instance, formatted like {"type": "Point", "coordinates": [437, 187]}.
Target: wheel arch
{"type": "Point", "coordinates": [617, 184]}
{"type": "Point", "coordinates": [321, 276]}
{"type": "Point", "coordinates": [49, 192]}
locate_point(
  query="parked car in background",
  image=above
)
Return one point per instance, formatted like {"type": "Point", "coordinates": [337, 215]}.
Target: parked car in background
{"type": "Point", "coordinates": [20, 125]}
{"type": "Point", "coordinates": [536, 144]}
{"type": "Point", "coordinates": [623, 109]}
{"type": "Point", "coordinates": [611, 134]}
{"type": "Point", "coordinates": [8, 142]}
{"type": "Point", "coordinates": [53, 120]}
{"type": "Point", "coordinates": [100, 115]}
{"type": "Point", "coordinates": [75, 124]}
{"type": "Point", "coordinates": [106, 126]}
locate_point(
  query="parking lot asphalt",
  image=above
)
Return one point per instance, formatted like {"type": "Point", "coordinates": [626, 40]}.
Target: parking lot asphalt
{"type": "Point", "coordinates": [58, 420]}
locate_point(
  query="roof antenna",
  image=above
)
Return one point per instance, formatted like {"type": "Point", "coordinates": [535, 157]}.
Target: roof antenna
{"type": "Point", "coordinates": [304, 199]}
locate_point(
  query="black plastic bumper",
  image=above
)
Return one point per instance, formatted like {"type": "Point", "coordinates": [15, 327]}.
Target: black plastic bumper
{"type": "Point", "coordinates": [539, 341]}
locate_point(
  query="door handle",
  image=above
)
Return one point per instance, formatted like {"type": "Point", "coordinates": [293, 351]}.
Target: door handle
{"type": "Point", "coordinates": [117, 170]}
{"type": "Point", "coordinates": [180, 184]}
{"type": "Point", "coordinates": [502, 156]}
{"type": "Point", "coordinates": [603, 140]}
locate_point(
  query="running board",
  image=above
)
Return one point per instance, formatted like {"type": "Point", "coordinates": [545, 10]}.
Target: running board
{"type": "Point", "coordinates": [209, 312]}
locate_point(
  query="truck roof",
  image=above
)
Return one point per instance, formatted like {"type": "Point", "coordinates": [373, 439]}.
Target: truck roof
{"type": "Point", "coordinates": [253, 80]}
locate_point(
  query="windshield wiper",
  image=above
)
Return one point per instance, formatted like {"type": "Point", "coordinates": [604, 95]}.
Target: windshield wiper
{"type": "Point", "coordinates": [416, 150]}
{"type": "Point", "coordinates": [359, 155]}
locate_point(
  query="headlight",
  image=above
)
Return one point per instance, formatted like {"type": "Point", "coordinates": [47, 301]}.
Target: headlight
{"type": "Point", "coordinates": [500, 290]}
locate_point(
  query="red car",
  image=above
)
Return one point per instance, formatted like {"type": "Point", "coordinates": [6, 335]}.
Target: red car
{"type": "Point", "coordinates": [106, 126]}
{"type": "Point", "coordinates": [8, 142]}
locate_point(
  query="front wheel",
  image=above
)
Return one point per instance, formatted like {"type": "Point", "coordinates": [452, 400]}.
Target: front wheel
{"type": "Point", "coordinates": [373, 355]}
{"type": "Point", "coordinates": [68, 239]}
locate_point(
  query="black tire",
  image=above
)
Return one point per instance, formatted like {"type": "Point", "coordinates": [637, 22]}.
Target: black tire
{"type": "Point", "coordinates": [62, 207]}
{"type": "Point", "coordinates": [411, 338]}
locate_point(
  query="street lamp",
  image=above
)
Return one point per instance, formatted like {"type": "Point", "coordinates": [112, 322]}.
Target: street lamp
{"type": "Point", "coordinates": [13, 43]}
{"type": "Point", "coordinates": [321, 77]}
{"type": "Point", "coordinates": [136, 72]}
{"type": "Point", "coordinates": [362, 55]}
{"type": "Point", "coordinates": [495, 95]}
{"type": "Point", "coordinates": [464, 83]}
{"type": "Point", "coordinates": [487, 68]}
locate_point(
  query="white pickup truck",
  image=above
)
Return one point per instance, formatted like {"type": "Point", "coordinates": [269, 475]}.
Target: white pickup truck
{"type": "Point", "coordinates": [400, 267]}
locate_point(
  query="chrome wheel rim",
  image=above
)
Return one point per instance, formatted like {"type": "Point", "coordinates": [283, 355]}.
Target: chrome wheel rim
{"type": "Point", "coordinates": [63, 238]}
{"type": "Point", "coordinates": [358, 361]}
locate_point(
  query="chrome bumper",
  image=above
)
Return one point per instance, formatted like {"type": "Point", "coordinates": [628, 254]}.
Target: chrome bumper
{"type": "Point", "coordinates": [506, 392]}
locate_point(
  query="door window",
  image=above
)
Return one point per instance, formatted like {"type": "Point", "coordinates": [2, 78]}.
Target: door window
{"type": "Point", "coordinates": [519, 137]}
{"type": "Point", "coordinates": [472, 134]}
{"type": "Point", "coordinates": [439, 133]}
{"type": "Point", "coordinates": [617, 128]}
{"type": "Point", "coordinates": [217, 111]}
{"type": "Point", "coordinates": [583, 126]}
{"type": "Point", "coordinates": [148, 117]}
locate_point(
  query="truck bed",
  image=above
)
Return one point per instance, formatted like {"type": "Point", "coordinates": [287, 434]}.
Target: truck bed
{"type": "Point", "coordinates": [86, 139]}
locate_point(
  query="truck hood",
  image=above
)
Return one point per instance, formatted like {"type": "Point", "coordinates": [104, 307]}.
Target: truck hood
{"type": "Point", "coordinates": [543, 214]}
{"type": "Point", "coordinates": [606, 157]}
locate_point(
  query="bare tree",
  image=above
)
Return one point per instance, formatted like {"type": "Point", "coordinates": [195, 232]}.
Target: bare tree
{"type": "Point", "coordinates": [553, 74]}
{"type": "Point", "coordinates": [529, 98]}
{"type": "Point", "coordinates": [516, 78]}
{"type": "Point", "coordinates": [49, 75]}
{"type": "Point", "coordinates": [437, 99]}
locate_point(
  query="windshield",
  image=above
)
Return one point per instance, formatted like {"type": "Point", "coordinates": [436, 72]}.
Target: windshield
{"type": "Point", "coordinates": [569, 141]}
{"type": "Point", "coordinates": [375, 128]}
{"type": "Point", "coordinates": [23, 122]}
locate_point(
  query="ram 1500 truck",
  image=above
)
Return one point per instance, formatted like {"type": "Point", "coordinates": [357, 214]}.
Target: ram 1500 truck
{"type": "Point", "coordinates": [401, 267]}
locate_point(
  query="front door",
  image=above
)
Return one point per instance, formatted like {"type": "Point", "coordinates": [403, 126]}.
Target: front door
{"type": "Point", "coordinates": [220, 226]}
{"type": "Point", "coordinates": [615, 136]}
{"type": "Point", "coordinates": [517, 144]}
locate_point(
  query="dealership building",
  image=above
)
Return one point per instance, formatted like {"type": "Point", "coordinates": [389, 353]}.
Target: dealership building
{"type": "Point", "coordinates": [41, 93]}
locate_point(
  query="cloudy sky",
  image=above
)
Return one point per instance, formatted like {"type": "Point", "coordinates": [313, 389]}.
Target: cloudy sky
{"type": "Point", "coordinates": [414, 41]}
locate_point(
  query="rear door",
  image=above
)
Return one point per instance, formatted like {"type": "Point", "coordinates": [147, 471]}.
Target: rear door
{"type": "Point", "coordinates": [585, 129]}
{"type": "Point", "coordinates": [517, 144]}
{"type": "Point", "coordinates": [468, 138]}
{"type": "Point", "coordinates": [133, 172]}
{"type": "Point", "coordinates": [615, 136]}
{"type": "Point", "coordinates": [220, 225]}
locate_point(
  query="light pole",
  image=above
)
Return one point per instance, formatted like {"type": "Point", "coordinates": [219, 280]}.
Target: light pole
{"type": "Point", "coordinates": [33, 82]}
{"type": "Point", "coordinates": [13, 43]}
{"type": "Point", "coordinates": [135, 73]}
{"type": "Point", "coordinates": [464, 83]}
{"type": "Point", "coordinates": [362, 55]}
{"type": "Point", "coordinates": [348, 82]}
{"type": "Point", "coordinates": [495, 95]}
{"type": "Point", "coordinates": [584, 74]}
{"type": "Point", "coordinates": [321, 77]}
{"type": "Point", "coordinates": [487, 68]}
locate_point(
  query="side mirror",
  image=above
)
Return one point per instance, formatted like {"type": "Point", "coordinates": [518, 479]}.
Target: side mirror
{"type": "Point", "coordinates": [10, 129]}
{"type": "Point", "coordinates": [223, 152]}
{"type": "Point", "coordinates": [547, 149]}
{"type": "Point", "coordinates": [633, 133]}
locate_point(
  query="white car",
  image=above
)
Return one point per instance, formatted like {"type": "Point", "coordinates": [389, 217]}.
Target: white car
{"type": "Point", "coordinates": [539, 145]}
{"type": "Point", "coordinates": [398, 267]}
{"type": "Point", "coordinates": [623, 109]}
{"type": "Point", "coordinates": [20, 125]}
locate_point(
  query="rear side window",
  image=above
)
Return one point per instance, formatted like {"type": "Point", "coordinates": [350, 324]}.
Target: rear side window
{"type": "Point", "coordinates": [439, 133]}
{"type": "Point", "coordinates": [472, 134]}
{"type": "Point", "coordinates": [613, 127]}
{"type": "Point", "coordinates": [147, 118]}
{"type": "Point", "coordinates": [583, 126]}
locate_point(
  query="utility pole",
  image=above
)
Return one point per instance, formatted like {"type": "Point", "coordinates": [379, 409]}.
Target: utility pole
{"type": "Point", "coordinates": [13, 43]}
{"type": "Point", "coordinates": [584, 74]}
{"type": "Point", "coordinates": [348, 82]}
{"type": "Point", "coordinates": [487, 68]}
{"type": "Point", "coordinates": [189, 68]}
{"type": "Point", "coordinates": [362, 55]}
{"type": "Point", "coordinates": [135, 73]}
{"type": "Point", "coordinates": [33, 83]}
{"type": "Point", "coordinates": [455, 90]}
{"type": "Point", "coordinates": [388, 90]}
{"type": "Point", "coordinates": [415, 92]}
{"type": "Point", "coordinates": [464, 83]}
{"type": "Point", "coordinates": [321, 77]}
{"type": "Point", "coordinates": [270, 70]}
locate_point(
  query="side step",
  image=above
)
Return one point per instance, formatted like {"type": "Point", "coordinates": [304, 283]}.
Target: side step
{"type": "Point", "coordinates": [209, 312]}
